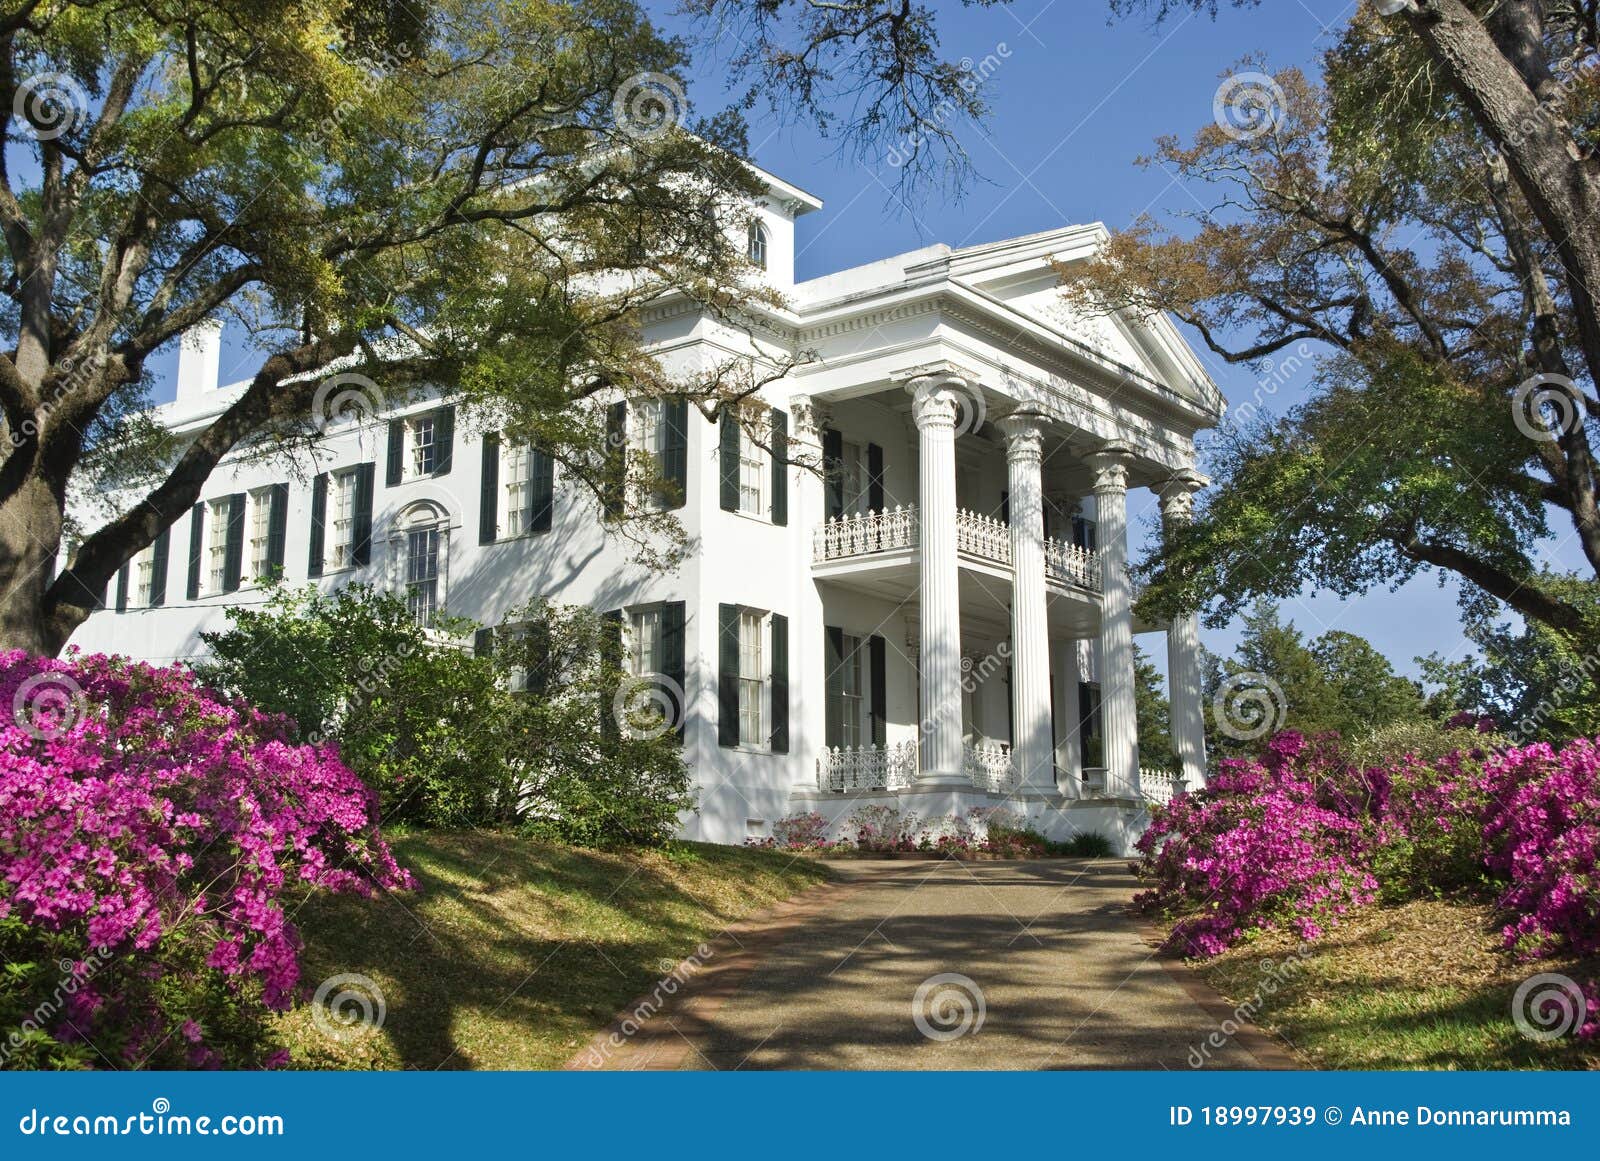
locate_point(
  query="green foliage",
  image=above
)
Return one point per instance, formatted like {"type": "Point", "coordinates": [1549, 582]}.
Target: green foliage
{"type": "Point", "coordinates": [1536, 684]}
{"type": "Point", "coordinates": [1088, 844]}
{"type": "Point", "coordinates": [1336, 683]}
{"type": "Point", "coordinates": [523, 737]}
{"type": "Point", "coordinates": [1153, 713]}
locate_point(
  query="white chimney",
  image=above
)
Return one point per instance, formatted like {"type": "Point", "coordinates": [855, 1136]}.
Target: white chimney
{"type": "Point", "coordinates": [199, 359]}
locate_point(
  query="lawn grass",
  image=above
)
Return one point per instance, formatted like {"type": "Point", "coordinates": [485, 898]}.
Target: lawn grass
{"type": "Point", "coordinates": [515, 952]}
{"type": "Point", "coordinates": [1420, 986]}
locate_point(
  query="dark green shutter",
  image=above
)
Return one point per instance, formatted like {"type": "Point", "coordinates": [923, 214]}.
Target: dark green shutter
{"type": "Point", "coordinates": [833, 471]}
{"type": "Point", "coordinates": [537, 654]}
{"type": "Point", "coordinates": [319, 523]}
{"type": "Point", "coordinates": [727, 675]}
{"type": "Point", "coordinates": [780, 684]}
{"type": "Point", "coordinates": [1005, 506]}
{"type": "Point", "coordinates": [672, 662]}
{"type": "Point", "coordinates": [444, 440]}
{"type": "Point", "coordinates": [730, 462]}
{"type": "Point", "coordinates": [780, 467]}
{"type": "Point", "coordinates": [1011, 705]}
{"type": "Point", "coordinates": [874, 477]}
{"type": "Point", "coordinates": [541, 491]}
{"type": "Point", "coordinates": [614, 482]}
{"type": "Point", "coordinates": [489, 491]}
{"type": "Point", "coordinates": [277, 529]}
{"type": "Point", "coordinates": [159, 553]}
{"type": "Point", "coordinates": [122, 589]}
{"type": "Point", "coordinates": [878, 686]}
{"type": "Point", "coordinates": [675, 451]}
{"type": "Point", "coordinates": [361, 517]}
{"type": "Point", "coordinates": [833, 701]}
{"type": "Point", "coordinates": [610, 672]}
{"type": "Point", "coordinates": [483, 642]}
{"type": "Point", "coordinates": [233, 552]}
{"type": "Point", "coordinates": [197, 525]}
{"type": "Point", "coordinates": [397, 452]}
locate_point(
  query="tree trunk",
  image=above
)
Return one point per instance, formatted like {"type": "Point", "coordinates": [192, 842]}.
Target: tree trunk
{"type": "Point", "coordinates": [30, 534]}
{"type": "Point", "coordinates": [1562, 186]}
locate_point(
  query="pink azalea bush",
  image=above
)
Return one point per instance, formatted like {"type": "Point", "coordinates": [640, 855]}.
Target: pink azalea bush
{"type": "Point", "coordinates": [1299, 838]}
{"type": "Point", "coordinates": [1542, 840]}
{"type": "Point", "coordinates": [152, 842]}
{"type": "Point", "coordinates": [1256, 850]}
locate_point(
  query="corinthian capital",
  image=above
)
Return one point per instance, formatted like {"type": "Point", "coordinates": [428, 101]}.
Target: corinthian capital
{"type": "Point", "coordinates": [1110, 467]}
{"type": "Point", "coordinates": [1177, 495]}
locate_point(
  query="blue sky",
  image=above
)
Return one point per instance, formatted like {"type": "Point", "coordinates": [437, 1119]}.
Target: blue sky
{"type": "Point", "coordinates": [1075, 100]}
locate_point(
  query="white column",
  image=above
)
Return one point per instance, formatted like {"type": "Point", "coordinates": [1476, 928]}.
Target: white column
{"type": "Point", "coordinates": [1183, 646]}
{"type": "Point", "coordinates": [1110, 467]}
{"type": "Point", "coordinates": [1032, 754]}
{"type": "Point", "coordinates": [1069, 730]}
{"type": "Point", "coordinates": [934, 408]}
{"type": "Point", "coordinates": [807, 657]}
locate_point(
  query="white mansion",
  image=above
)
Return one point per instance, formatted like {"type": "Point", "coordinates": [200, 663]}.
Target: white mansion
{"type": "Point", "coordinates": [942, 620]}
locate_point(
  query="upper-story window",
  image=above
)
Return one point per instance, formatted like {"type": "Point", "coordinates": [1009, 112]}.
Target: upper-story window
{"type": "Point", "coordinates": [421, 540]}
{"type": "Point", "coordinates": [217, 512]}
{"type": "Point", "coordinates": [144, 576]}
{"type": "Point", "coordinates": [260, 503]}
{"type": "Point", "coordinates": [756, 244]}
{"type": "Point", "coordinates": [644, 641]}
{"type": "Point", "coordinates": [342, 502]}
{"type": "Point", "coordinates": [516, 467]}
{"type": "Point", "coordinates": [752, 475]}
{"type": "Point", "coordinates": [421, 448]}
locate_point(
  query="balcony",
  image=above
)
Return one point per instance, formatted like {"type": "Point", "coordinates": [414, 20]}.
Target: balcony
{"type": "Point", "coordinates": [894, 767]}
{"type": "Point", "coordinates": [979, 538]}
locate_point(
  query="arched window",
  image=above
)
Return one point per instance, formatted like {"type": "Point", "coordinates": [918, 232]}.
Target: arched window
{"type": "Point", "coordinates": [420, 542]}
{"type": "Point", "coordinates": [756, 244]}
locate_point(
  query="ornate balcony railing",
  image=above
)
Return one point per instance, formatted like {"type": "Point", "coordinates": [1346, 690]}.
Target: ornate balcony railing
{"type": "Point", "coordinates": [1160, 785]}
{"type": "Point", "coordinates": [989, 766]}
{"type": "Point", "coordinates": [984, 537]}
{"type": "Point", "coordinates": [868, 767]}
{"type": "Point", "coordinates": [1069, 564]}
{"type": "Point", "coordinates": [849, 536]}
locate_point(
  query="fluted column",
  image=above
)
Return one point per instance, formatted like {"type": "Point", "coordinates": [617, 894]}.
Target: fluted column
{"type": "Point", "coordinates": [1031, 749]}
{"type": "Point", "coordinates": [1110, 467]}
{"type": "Point", "coordinates": [934, 409]}
{"type": "Point", "coordinates": [1183, 646]}
{"type": "Point", "coordinates": [808, 661]}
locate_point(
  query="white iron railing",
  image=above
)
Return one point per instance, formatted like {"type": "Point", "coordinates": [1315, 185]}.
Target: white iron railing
{"type": "Point", "coordinates": [868, 767]}
{"type": "Point", "coordinates": [984, 537]}
{"type": "Point", "coordinates": [1071, 564]}
{"type": "Point", "coordinates": [989, 766]}
{"type": "Point", "coordinates": [1160, 785]}
{"type": "Point", "coordinates": [843, 537]}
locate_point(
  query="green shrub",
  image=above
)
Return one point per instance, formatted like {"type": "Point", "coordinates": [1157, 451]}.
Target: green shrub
{"type": "Point", "coordinates": [1088, 844]}
{"type": "Point", "coordinates": [523, 735]}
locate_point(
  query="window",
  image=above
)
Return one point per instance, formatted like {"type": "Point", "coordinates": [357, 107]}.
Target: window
{"type": "Point", "coordinates": [144, 571]}
{"type": "Point", "coordinates": [852, 692]}
{"type": "Point", "coordinates": [752, 475]}
{"type": "Point", "coordinates": [422, 573]}
{"type": "Point", "coordinates": [853, 469]}
{"type": "Point", "coordinates": [260, 525]}
{"type": "Point", "coordinates": [217, 544]}
{"type": "Point", "coordinates": [516, 470]}
{"type": "Point", "coordinates": [421, 433]}
{"type": "Point", "coordinates": [756, 244]}
{"type": "Point", "coordinates": [648, 436]}
{"type": "Point", "coordinates": [644, 642]}
{"type": "Point", "coordinates": [752, 679]}
{"type": "Point", "coordinates": [342, 502]}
